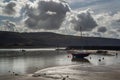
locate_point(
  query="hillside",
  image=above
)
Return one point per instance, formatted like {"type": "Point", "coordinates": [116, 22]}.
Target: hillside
{"type": "Point", "coordinates": [48, 39]}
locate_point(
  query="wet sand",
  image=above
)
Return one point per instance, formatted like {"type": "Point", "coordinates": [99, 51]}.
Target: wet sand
{"type": "Point", "coordinates": [72, 72]}
{"type": "Point", "coordinates": [89, 68]}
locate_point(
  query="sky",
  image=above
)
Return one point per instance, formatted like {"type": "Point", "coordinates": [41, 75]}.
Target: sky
{"type": "Point", "coordinates": [99, 18]}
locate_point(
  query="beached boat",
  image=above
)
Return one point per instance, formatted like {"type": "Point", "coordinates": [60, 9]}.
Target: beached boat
{"type": "Point", "coordinates": [101, 51]}
{"type": "Point", "coordinates": [81, 60]}
{"type": "Point", "coordinates": [79, 53]}
{"type": "Point", "coordinates": [23, 50]}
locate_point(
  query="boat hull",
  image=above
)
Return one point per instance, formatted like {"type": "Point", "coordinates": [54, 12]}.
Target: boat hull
{"type": "Point", "coordinates": [79, 55]}
{"type": "Point", "coordinates": [82, 60]}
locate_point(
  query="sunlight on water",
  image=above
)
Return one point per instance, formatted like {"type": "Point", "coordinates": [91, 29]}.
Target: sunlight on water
{"type": "Point", "coordinates": [33, 49]}
{"type": "Point", "coordinates": [45, 59]}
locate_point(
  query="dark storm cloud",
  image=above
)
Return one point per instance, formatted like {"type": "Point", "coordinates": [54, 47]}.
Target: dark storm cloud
{"type": "Point", "coordinates": [102, 29]}
{"type": "Point", "coordinates": [9, 8]}
{"type": "Point", "coordinates": [84, 22]}
{"type": "Point", "coordinates": [48, 14]}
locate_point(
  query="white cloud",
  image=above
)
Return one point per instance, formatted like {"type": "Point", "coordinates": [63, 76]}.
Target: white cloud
{"type": "Point", "coordinates": [8, 26]}
{"type": "Point", "coordinates": [81, 21]}
{"type": "Point", "coordinates": [11, 9]}
{"type": "Point", "coordinates": [112, 34]}
{"type": "Point", "coordinates": [108, 24]}
{"type": "Point", "coordinates": [56, 15]}
{"type": "Point", "coordinates": [46, 14]}
{"type": "Point", "coordinates": [108, 20]}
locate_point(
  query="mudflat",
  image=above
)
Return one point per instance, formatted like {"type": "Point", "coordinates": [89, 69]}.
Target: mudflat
{"type": "Point", "coordinates": [71, 72]}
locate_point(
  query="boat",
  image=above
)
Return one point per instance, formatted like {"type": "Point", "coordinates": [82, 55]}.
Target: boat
{"type": "Point", "coordinates": [101, 51]}
{"type": "Point", "coordinates": [79, 53]}
{"type": "Point", "coordinates": [23, 50]}
{"type": "Point", "coordinates": [81, 60]}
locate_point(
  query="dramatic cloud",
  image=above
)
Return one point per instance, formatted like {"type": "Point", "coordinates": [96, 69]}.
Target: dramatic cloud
{"type": "Point", "coordinates": [9, 26]}
{"type": "Point", "coordinates": [112, 34]}
{"type": "Point", "coordinates": [57, 16]}
{"type": "Point", "coordinates": [107, 19]}
{"type": "Point", "coordinates": [83, 21]}
{"type": "Point", "coordinates": [10, 9]}
{"type": "Point", "coordinates": [102, 29]}
{"type": "Point", "coordinates": [48, 14]}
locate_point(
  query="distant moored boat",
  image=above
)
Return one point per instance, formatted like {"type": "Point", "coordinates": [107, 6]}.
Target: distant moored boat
{"type": "Point", "coordinates": [79, 53]}
{"type": "Point", "coordinates": [23, 50]}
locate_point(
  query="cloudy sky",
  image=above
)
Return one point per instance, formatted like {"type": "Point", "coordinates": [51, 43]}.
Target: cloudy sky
{"type": "Point", "coordinates": [93, 17]}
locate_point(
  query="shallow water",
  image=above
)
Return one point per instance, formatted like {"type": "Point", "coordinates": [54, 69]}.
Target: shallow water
{"type": "Point", "coordinates": [46, 59]}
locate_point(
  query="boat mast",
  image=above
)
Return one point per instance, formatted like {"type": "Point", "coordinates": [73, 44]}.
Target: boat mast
{"type": "Point", "coordinates": [80, 31]}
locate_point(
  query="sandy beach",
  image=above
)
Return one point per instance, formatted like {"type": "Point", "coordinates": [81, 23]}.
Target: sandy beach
{"type": "Point", "coordinates": [72, 72]}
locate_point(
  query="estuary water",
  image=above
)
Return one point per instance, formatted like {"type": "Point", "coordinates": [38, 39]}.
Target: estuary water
{"type": "Point", "coordinates": [33, 61]}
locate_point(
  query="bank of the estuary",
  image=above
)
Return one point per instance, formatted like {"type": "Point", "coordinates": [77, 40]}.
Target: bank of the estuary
{"type": "Point", "coordinates": [71, 72]}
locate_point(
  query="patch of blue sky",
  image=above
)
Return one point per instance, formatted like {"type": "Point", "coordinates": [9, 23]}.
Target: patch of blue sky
{"type": "Point", "coordinates": [6, 0]}
{"type": "Point", "coordinates": [77, 5]}
{"type": "Point", "coordinates": [32, 0]}
{"type": "Point", "coordinates": [109, 6]}
{"type": "Point", "coordinates": [2, 18]}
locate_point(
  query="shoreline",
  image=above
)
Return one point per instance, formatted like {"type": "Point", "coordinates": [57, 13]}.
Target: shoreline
{"type": "Point", "coordinates": [72, 72]}
{"type": "Point", "coordinates": [17, 53]}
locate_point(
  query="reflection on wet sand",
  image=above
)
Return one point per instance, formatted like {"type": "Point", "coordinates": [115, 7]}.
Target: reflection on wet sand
{"type": "Point", "coordinates": [52, 65]}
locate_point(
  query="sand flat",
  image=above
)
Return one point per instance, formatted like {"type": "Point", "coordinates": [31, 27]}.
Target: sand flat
{"type": "Point", "coordinates": [71, 72]}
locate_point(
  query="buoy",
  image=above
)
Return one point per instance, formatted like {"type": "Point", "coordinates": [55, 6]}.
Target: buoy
{"type": "Point", "coordinates": [69, 56]}
{"type": "Point", "coordinates": [90, 57]}
{"type": "Point", "coordinates": [44, 74]}
{"type": "Point", "coordinates": [103, 58]}
{"type": "Point", "coordinates": [67, 76]}
{"type": "Point", "coordinates": [64, 79]}
{"type": "Point", "coordinates": [16, 74]}
{"type": "Point", "coordinates": [99, 59]}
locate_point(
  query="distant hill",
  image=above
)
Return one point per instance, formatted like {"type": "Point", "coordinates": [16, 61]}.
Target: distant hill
{"type": "Point", "coordinates": [49, 39]}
